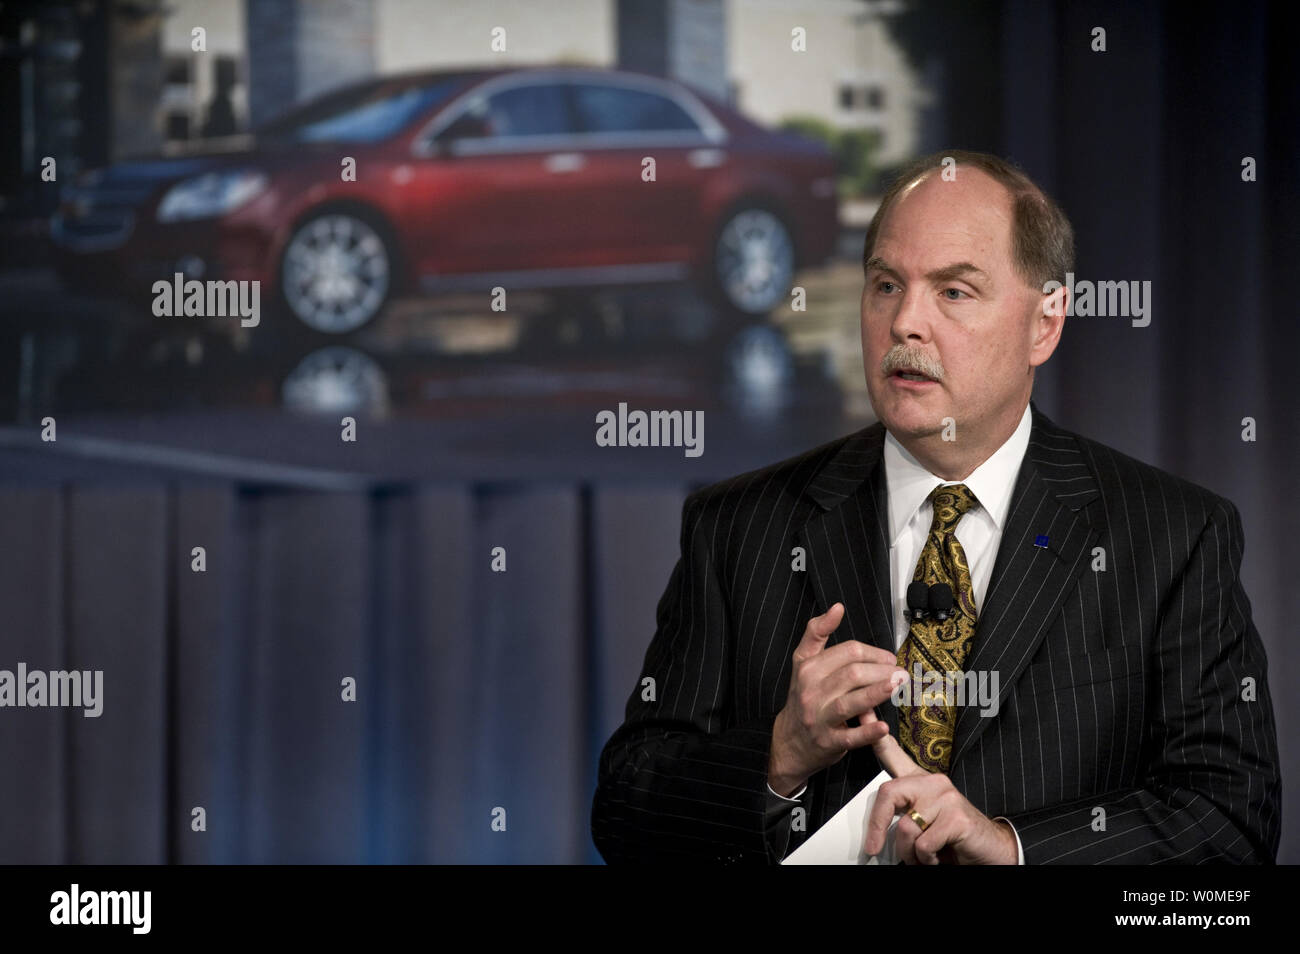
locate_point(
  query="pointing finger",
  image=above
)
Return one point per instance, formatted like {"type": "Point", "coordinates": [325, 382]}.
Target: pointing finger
{"type": "Point", "coordinates": [817, 631]}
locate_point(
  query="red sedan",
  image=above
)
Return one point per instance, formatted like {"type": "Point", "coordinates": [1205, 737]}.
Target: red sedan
{"type": "Point", "coordinates": [551, 177]}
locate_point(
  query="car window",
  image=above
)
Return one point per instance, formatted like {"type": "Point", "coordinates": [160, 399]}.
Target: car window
{"type": "Point", "coordinates": [618, 109]}
{"type": "Point", "coordinates": [532, 110]}
{"type": "Point", "coordinates": [368, 114]}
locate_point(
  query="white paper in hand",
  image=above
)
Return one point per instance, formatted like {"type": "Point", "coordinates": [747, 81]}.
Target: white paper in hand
{"type": "Point", "coordinates": [839, 841]}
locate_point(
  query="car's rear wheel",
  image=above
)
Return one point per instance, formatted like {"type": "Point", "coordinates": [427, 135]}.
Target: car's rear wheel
{"type": "Point", "coordinates": [753, 261]}
{"type": "Point", "coordinates": [336, 272]}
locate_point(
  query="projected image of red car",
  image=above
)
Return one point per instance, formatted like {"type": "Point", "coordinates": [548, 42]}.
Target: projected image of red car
{"type": "Point", "coordinates": [537, 178]}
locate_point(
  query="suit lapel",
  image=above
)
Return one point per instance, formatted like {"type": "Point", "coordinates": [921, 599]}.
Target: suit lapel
{"type": "Point", "coordinates": [845, 538]}
{"type": "Point", "coordinates": [848, 562]}
{"type": "Point", "coordinates": [1029, 581]}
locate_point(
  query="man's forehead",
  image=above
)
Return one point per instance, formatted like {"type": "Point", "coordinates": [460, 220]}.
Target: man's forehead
{"type": "Point", "coordinates": [925, 250]}
{"type": "Point", "coordinates": [968, 184]}
{"type": "Point", "coordinates": [935, 223]}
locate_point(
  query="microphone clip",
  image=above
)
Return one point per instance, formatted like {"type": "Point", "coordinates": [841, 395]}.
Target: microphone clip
{"type": "Point", "coordinates": [925, 602]}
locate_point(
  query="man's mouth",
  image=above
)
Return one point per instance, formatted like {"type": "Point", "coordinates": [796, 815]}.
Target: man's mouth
{"type": "Point", "coordinates": [912, 376]}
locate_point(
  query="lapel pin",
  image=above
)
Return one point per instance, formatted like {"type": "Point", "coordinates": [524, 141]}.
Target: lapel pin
{"type": "Point", "coordinates": [1041, 541]}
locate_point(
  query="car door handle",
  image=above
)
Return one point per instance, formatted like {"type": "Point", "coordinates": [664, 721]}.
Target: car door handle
{"type": "Point", "coordinates": [565, 162]}
{"type": "Point", "coordinates": [706, 158]}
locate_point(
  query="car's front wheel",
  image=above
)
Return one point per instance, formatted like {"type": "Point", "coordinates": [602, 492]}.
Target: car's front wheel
{"type": "Point", "coordinates": [336, 272]}
{"type": "Point", "coordinates": [753, 261]}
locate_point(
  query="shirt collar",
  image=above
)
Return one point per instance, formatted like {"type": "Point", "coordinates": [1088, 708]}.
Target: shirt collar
{"type": "Point", "coordinates": [909, 483]}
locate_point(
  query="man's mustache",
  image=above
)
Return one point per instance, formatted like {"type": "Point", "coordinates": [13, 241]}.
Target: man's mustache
{"type": "Point", "coordinates": [913, 360]}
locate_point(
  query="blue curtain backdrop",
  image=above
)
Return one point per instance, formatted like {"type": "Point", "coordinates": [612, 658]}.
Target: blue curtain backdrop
{"type": "Point", "coordinates": [476, 690]}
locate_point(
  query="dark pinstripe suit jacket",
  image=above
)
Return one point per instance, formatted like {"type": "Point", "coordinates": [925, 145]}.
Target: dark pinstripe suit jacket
{"type": "Point", "coordinates": [1120, 689]}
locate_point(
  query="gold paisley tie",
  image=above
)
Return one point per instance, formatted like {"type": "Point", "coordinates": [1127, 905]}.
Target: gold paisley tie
{"type": "Point", "coordinates": [926, 726]}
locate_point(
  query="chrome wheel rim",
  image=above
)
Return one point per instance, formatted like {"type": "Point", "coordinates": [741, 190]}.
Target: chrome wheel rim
{"type": "Point", "coordinates": [760, 370]}
{"type": "Point", "coordinates": [755, 261]}
{"type": "Point", "coordinates": [334, 380]}
{"type": "Point", "coordinates": [335, 273]}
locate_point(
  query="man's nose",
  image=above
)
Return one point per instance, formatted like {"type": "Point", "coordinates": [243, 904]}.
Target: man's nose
{"type": "Point", "coordinates": [913, 316]}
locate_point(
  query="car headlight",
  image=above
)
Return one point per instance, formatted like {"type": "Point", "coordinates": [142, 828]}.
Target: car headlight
{"type": "Point", "coordinates": [215, 193]}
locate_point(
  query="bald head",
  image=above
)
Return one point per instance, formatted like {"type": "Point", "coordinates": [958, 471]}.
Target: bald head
{"type": "Point", "coordinates": [973, 211]}
{"type": "Point", "coordinates": [1040, 236]}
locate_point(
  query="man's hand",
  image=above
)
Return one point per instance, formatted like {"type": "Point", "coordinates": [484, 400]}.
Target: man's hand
{"type": "Point", "coordinates": [827, 688]}
{"type": "Point", "coordinates": [893, 758]}
{"type": "Point", "coordinates": [957, 833]}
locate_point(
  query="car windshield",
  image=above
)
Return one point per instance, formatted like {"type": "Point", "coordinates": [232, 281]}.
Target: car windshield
{"type": "Point", "coordinates": [369, 113]}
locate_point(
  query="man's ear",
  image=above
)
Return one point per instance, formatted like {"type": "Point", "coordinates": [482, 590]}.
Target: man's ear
{"type": "Point", "coordinates": [1048, 321]}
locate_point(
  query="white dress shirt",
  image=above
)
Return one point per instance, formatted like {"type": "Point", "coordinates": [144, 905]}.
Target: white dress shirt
{"type": "Point", "coordinates": [979, 531]}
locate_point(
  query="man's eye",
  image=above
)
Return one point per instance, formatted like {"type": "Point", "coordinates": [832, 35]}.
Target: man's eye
{"type": "Point", "coordinates": [886, 286]}
{"type": "Point", "coordinates": [956, 293]}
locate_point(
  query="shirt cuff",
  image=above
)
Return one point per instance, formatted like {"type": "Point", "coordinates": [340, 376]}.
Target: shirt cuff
{"type": "Point", "coordinates": [777, 820]}
{"type": "Point", "coordinates": [1020, 850]}
{"type": "Point", "coordinates": [790, 798]}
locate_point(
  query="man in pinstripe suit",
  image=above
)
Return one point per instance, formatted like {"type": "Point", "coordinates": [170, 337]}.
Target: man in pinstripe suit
{"type": "Point", "coordinates": [1133, 721]}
